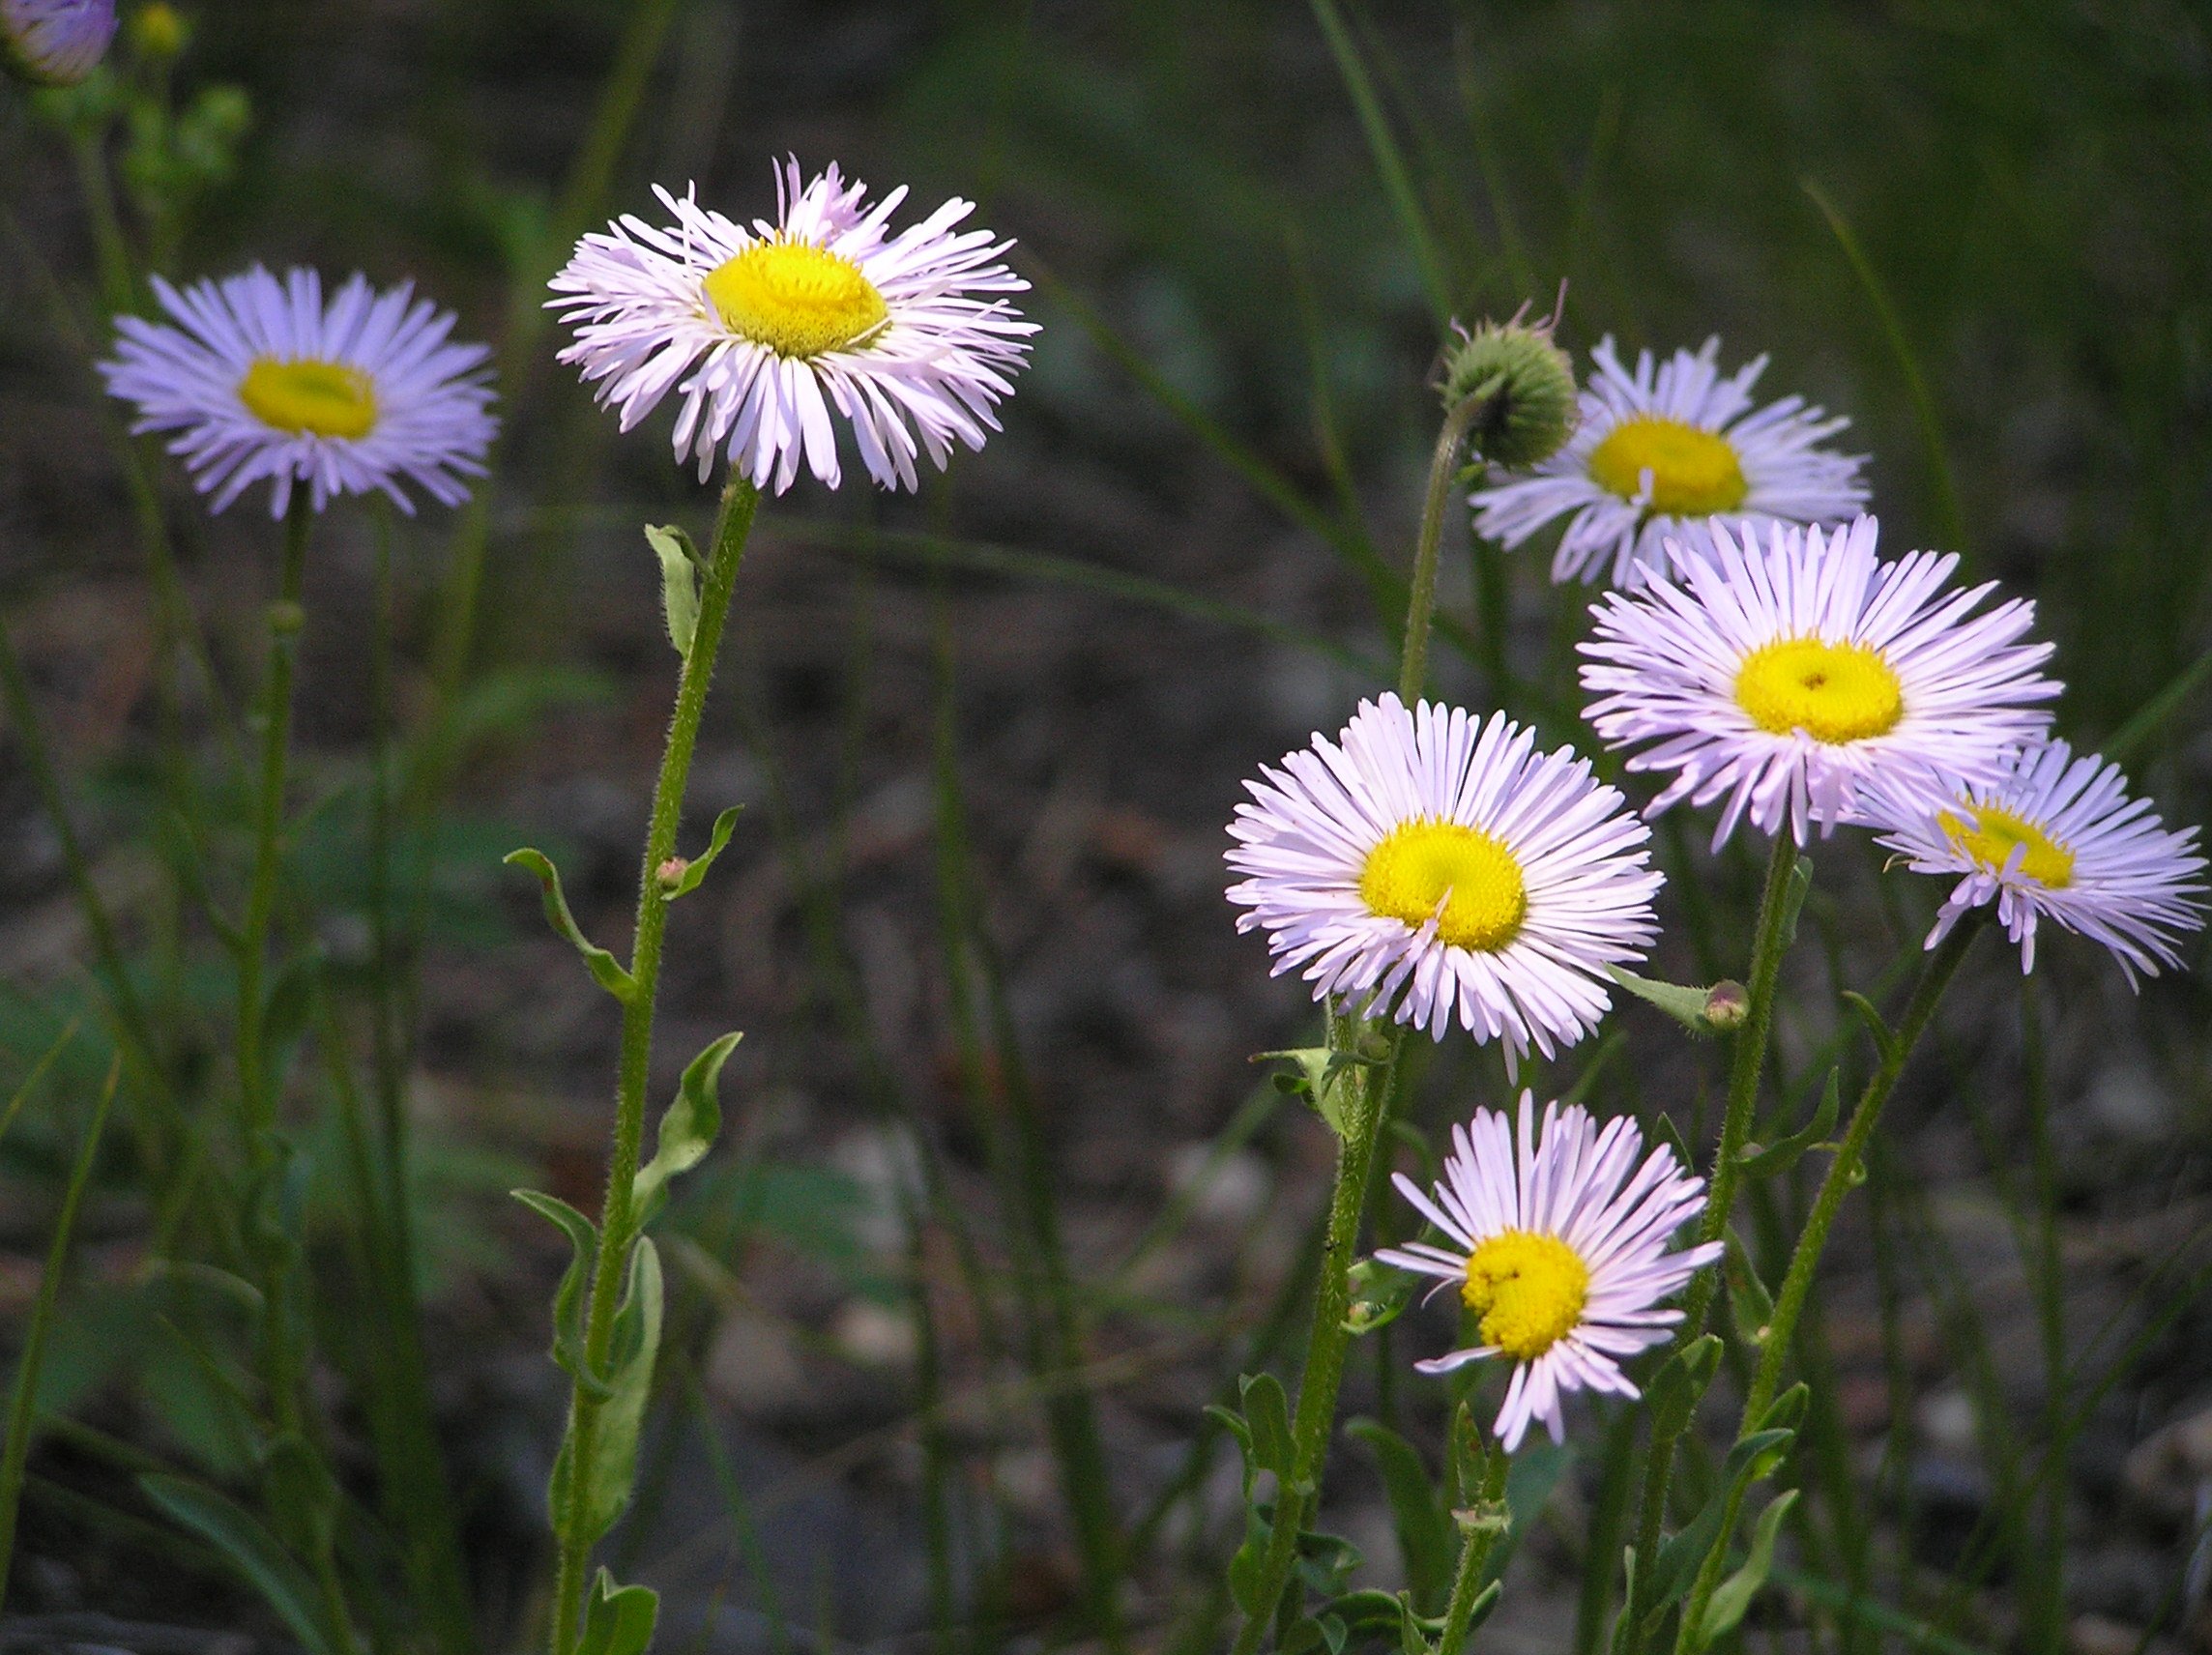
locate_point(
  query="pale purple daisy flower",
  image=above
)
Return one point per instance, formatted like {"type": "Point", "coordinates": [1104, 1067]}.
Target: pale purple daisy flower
{"type": "Point", "coordinates": [1558, 1246]}
{"type": "Point", "coordinates": [1441, 867]}
{"type": "Point", "coordinates": [262, 381]}
{"type": "Point", "coordinates": [55, 43]}
{"type": "Point", "coordinates": [762, 333]}
{"type": "Point", "coordinates": [1672, 451]}
{"type": "Point", "coordinates": [2052, 835]}
{"type": "Point", "coordinates": [1790, 679]}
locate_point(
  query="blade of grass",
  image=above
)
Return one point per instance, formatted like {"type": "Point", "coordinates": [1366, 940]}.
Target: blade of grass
{"type": "Point", "coordinates": [2146, 720]}
{"type": "Point", "coordinates": [23, 1407]}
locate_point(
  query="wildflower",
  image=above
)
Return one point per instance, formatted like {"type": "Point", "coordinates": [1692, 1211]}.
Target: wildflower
{"type": "Point", "coordinates": [1441, 867]}
{"type": "Point", "coordinates": [1560, 1252]}
{"type": "Point", "coordinates": [1672, 451]}
{"type": "Point", "coordinates": [260, 379]}
{"type": "Point", "coordinates": [1791, 679]}
{"type": "Point", "coordinates": [2058, 835]}
{"type": "Point", "coordinates": [775, 325]}
{"type": "Point", "coordinates": [55, 43]}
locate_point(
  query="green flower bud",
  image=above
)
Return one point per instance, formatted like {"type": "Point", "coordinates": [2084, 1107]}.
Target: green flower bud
{"type": "Point", "coordinates": [1527, 384]}
{"type": "Point", "coordinates": [158, 33]}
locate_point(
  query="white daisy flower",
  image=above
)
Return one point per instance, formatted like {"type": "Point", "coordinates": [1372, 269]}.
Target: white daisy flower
{"type": "Point", "coordinates": [762, 331]}
{"type": "Point", "coordinates": [1672, 451]}
{"type": "Point", "coordinates": [261, 380]}
{"type": "Point", "coordinates": [1444, 868]}
{"type": "Point", "coordinates": [1560, 1252]}
{"type": "Point", "coordinates": [1790, 679]}
{"type": "Point", "coordinates": [2058, 835]}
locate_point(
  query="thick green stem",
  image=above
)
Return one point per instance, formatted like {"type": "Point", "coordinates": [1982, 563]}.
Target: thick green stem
{"type": "Point", "coordinates": [1842, 1175]}
{"type": "Point", "coordinates": [1443, 466]}
{"type": "Point", "coordinates": [1748, 1061]}
{"type": "Point", "coordinates": [618, 1218]}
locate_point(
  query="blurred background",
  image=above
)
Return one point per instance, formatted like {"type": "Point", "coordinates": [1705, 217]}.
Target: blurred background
{"type": "Point", "coordinates": [1000, 1205]}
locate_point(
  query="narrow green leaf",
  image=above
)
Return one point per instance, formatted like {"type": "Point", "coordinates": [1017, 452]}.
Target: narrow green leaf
{"type": "Point", "coordinates": [604, 968]}
{"type": "Point", "coordinates": [618, 1621]}
{"type": "Point", "coordinates": [252, 1551]}
{"type": "Point", "coordinates": [1793, 898]}
{"type": "Point", "coordinates": [679, 584]}
{"type": "Point", "coordinates": [568, 1297]}
{"type": "Point", "coordinates": [694, 871]}
{"type": "Point", "coordinates": [1680, 1555]}
{"type": "Point", "coordinates": [1749, 1302]}
{"type": "Point", "coordinates": [1269, 1412]}
{"type": "Point", "coordinates": [1884, 1039]}
{"type": "Point", "coordinates": [613, 1467]}
{"type": "Point", "coordinates": [1702, 1011]}
{"type": "Point", "coordinates": [2146, 719]}
{"type": "Point", "coordinates": [1782, 1154]}
{"type": "Point", "coordinates": [1424, 1527]}
{"type": "Point", "coordinates": [37, 1073]}
{"type": "Point", "coordinates": [687, 1131]}
{"type": "Point", "coordinates": [1681, 1384]}
{"type": "Point", "coordinates": [1734, 1594]}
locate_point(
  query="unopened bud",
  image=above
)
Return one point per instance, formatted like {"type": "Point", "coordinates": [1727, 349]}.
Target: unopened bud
{"type": "Point", "coordinates": [158, 33]}
{"type": "Point", "coordinates": [1727, 1005]}
{"type": "Point", "coordinates": [1526, 385]}
{"type": "Point", "coordinates": [54, 43]}
{"type": "Point", "coordinates": [671, 873]}
{"type": "Point", "coordinates": [286, 616]}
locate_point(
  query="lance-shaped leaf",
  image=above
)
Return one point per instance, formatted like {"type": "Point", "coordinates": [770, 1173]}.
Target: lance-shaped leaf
{"type": "Point", "coordinates": [610, 1470]}
{"type": "Point", "coordinates": [687, 881]}
{"type": "Point", "coordinates": [1734, 1594]}
{"type": "Point", "coordinates": [1680, 1555]}
{"type": "Point", "coordinates": [1793, 898]}
{"type": "Point", "coordinates": [1884, 1038]}
{"type": "Point", "coordinates": [1749, 1302]}
{"type": "Point", "coordinates": [618, 1621]}
{"type": "Point", "coordinates": [284, 1583]}
{"type": "Point", "coordinates": [1424, 1527]}
{"type": "Point", "coordinates": [568, 1297]}
{"type": "Point", "coordinates": [1782, 1154]}
{"type": "Point", "coordinates": [605, 967]}
{"type": "Point", "coordinates": [1702, 1011]}
{"type": "Point", "coordinates": [687, 1131]}
{"type": "Point", "coordinates": [679, 584]}
{"type": "Point", "coordinates": [1679, 1385]}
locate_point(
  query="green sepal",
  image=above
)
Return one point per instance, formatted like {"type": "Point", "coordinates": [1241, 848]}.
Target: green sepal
{"type": "Point", "coordinates": [687, 1131]}
{"type": "Point", "coordinates": [604, 968]}
{"type": "Point", "coordinates": [1732, 1598]}
{"type": "Point", "coordinates": [679, 584]}
{"type": "Point", "coordinates": [1782, 1154]}
{"type": "Point", "coordinates": [1679, 1385]}
{"type": "Point", "coordinates": [568, 1297]}
{"type": "Point", "coordinates": [1749, 1302]}
{"type": "Point", "coordinates": [618, 1621]}
{"type": "Point", "coordinates": [695, 870]}
{"type": "Point", "coordinates": [1884, 1039]}
{"type": "Point", "coordinates": [1424, 1527]}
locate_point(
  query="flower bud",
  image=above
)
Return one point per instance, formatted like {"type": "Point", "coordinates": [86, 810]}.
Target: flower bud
{"type": "Point", "coordinates": [54, 43]}
{"type": "Point", "coordinates": [671, 873]}
{"type": "Point", "coordinates": [1727, 1005]}
{"type": "Point", "coordinates": [1527, 384]}
{"type": "Point", "coordinates": [159, 34]}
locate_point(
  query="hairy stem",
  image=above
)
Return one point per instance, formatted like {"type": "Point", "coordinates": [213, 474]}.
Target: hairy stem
{"type": "Point", "coordinates": [1443, 466]}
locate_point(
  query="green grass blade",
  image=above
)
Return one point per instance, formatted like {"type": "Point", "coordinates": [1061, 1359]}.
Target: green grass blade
{"type": "Point", "coordinates": [2146, 720]}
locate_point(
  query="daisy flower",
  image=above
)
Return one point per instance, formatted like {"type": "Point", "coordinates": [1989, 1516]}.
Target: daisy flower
{"type": "Point", "coordinates": [261, 380]}
{"type": "Point", "coordinates": [2058, 835]}
{"type": "Point", "coordinates": [760, 333]}
{"type": "Point", "coordinates": [1672, 451]}
{"type": "Point", "coordinates": [1791, 679]}
{"type": "Point", "coordinates": [55, 43]}
{"type": "Point", "coordinates": [1442, 867]}
{"type": "Point", "coordinates": [1558, 1246]}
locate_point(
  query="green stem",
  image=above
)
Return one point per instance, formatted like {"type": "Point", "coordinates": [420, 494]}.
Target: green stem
{"type": "Point", "coordinates": [618, 1219]}
{"type": "Point", "coordinates": [1748, 1061]}
{"type": "Point", "coordinates": [285, 617]}
{"type": "Point", "coordinates": [1842, 1175]}
{"type": "Point", "coordinates": [1475, 1553]}
{"type": "Point", "coordinates": [1443, 466]}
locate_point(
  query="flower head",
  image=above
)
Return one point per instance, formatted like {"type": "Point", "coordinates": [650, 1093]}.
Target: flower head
{"type": "Point", "coordinates": [1672, 451]}
{"type": "Point", "coordinates": [260, 379]}
{"type": "Point", "coordinates": [760, 333]}
{"type": "Point", "coordinates": [1558, 1246]}
{"type": "Point", "coordinates": [1443, 867]}
{"type": "Point", "coordinates": [55, 43]}
{"type": "Point", "coordinates": [1526, 385]}
{"type": "Point", "coordinates": [2058, 835]}
{"type": "Point", "coordinates": [1790, 679]}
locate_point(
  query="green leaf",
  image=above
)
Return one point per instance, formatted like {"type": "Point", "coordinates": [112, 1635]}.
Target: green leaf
{"type": "Point", "coordinates": [679, 584]}
{"type": "Point", "coordinates": [618, 1621]}
{"type": "Point", "coordinates": [1686, 1004]}
{"type": "Point", "coordinates": [1269, 1413]}
{"type": "Point", "coordinates": [1734, 1594]}
{"type": "Point", "coordinates": [1681, 1384]}
{"type": "Point", "coordinates": [1380, 1295]}
{"type": "Point", "coordinates": [1424, 1527]}
{"type": "Point", "coordinates": [1749, 1302]}
{"type": "Point", "coordinates": [1318, 1077]}
{"type": "Point", "coordinates": [1782, 1154]}
{"type": "Point", "coordinates": [568, 1297]}
{"type": "Point", "coordinates": [1681, 1554]}
{"type": "Point", "coordinates": [606, 969]}
{"type": "Point", "coordinates": [1884, 1040]}
{"type": "Point", "coordinates": [695, 871]}
{"type": "Point", "coordinates": [612, 1470]}
{"type": "Point", "coordinates": [1793, 898]}
{"type": "Point", "coordinates": [687, 1131]}
{"type": "Point", "coordinates": [285, 1585]}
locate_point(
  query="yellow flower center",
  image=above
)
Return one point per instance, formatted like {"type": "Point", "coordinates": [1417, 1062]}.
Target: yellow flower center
{"type": "Point", "coordinates": [1833, 692]}
{"type": "Point", "coordinates": [1528, 1289]}
{"type": "Point", "coordinates": [1694, 473]}
{"type": "Point", "coordinates": [1997, 833]}
{"type": "Point", "coordinates": [1422, 865]}
{"type": "Point", "coordinates": [796, 300]}
{"type": "Point", "coordinates": [322, 399]}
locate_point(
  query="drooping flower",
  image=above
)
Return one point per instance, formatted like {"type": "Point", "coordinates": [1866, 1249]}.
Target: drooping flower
{"type": "Point", "coordinates": [1672, 451]}
{"type": "Point", "coordinates": [762, 333]}
{"type": "Point", "coordinates": [261, 380]}
{"type": "Point", "coordinates": [1558, 1246]}
{"type": "Point", "coordinates": [1439, 867]}
{"type": "Point", "coordinates": [1790, 679]}
{"type": "Point", "coordinates": [2052, 835]}
{"type": "Point", "coordinates": [55, 43]}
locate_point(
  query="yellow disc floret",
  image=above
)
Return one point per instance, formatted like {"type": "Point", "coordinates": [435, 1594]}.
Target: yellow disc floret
{"type": "Point", "coordinates": [1834, 692]}
{"type": "Point", "coordinates": [1995, 833]}
{"type": "Point", "coordinates": [1694, 472]}
{"type": "Point", "coordinates": [1472, 874]}
{"type": "Point", "coordinates": [309, 397]}
{"type": "Point", "coordinates": [799, 301]}
{"type": "Point", "coordinates": [1529, 1290]}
